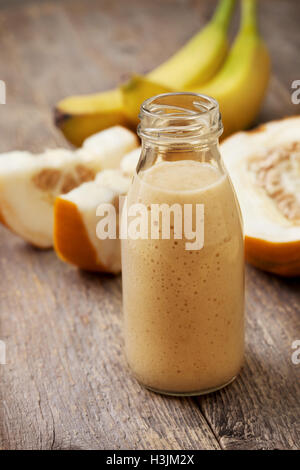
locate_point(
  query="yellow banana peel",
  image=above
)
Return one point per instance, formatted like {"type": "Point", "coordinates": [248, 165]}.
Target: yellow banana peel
{"type": "Point", "coordinates": [200, 59]}
{"type": "Point", "coordinates": [135, 92]}
{"type": "Point", "coordinates": [239, 87]}
{"type": "Point", "coordinates": [81, 116]}
{"type": "Point", "coordinates": [195, 63]}
{"type": "Point", "coordinates": [241, 84]}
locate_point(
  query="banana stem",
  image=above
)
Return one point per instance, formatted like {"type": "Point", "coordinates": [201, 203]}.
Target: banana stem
{"type": "Point", "coordinates": [223, 13]}
{"type": "Point", "coordinates": [248, 16]}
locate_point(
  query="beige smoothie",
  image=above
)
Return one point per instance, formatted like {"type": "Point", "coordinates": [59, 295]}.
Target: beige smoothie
{"type": "Point", "coordinates": [184, 309]}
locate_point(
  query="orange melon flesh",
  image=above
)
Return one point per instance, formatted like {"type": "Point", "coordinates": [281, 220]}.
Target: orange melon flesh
{"type": "Point", "coordinates": [272, 230]}
{"type": "Point", "coordinates": [75, 222]}
{"type": "Point", "coordinates": [71, 240]}
{"type": "Point", "coordinates": [277, 258]}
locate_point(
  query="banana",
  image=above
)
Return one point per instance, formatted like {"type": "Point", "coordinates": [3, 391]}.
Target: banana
{"type": "Point", "coordinates": [195, 63]}
{"type": "Point", "coordinates": [78, 117]}
{"type": "Point", "coordinates": [199, 60]}
{"type": "Point", "coordinates": [135, 92]}
{"type": "Point", "coordinates": [240, 85]}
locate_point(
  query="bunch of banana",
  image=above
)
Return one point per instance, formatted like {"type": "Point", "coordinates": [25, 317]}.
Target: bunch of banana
{"type": "Point", "coordinates": [240, 85]}
{"type": "Point", "coordinates": [237, 79]}
{"type": "Point", "coordinates": [196, 62]}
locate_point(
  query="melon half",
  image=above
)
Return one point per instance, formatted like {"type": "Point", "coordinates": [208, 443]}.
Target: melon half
{"type": "Point", "coordinates": [264, 166]}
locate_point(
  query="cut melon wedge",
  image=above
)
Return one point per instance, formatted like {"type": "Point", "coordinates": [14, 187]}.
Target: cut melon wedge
{"type": "Point", "coordinates": [30, 183]}
{"type": "Point", "coordinates": [129, 162]}
{"type": "Point", "coordinates": [264, 166]}
{"type": "Point", "coordinates": [75, 222]}
{"type": "Point", "coordinates": [110, 145]}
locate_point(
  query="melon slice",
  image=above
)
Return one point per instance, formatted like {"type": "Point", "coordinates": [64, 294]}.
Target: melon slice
{"type": "Point", "coordinates": [264, 166]}
{"type": "Point", "coordinates": [30, 183]}
{"type": "Point", "coordinates": [118, 140]}
{"type": "Point", "coordinates": [129, 162]}
{"type": "Point", "coordinates": [75, 223]}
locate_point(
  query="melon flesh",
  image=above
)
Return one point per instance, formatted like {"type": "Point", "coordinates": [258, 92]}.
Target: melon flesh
{"type": "Point", "coordinates": [129, 162]}
{"type": "Point", "coordinates": [30, 183]}
{"type": "Point", "coordinates": [75, 213]}
{"type": "Point", "coordinates": [117, 139]}
{"type": "Point", "coordinates": [264, 166]}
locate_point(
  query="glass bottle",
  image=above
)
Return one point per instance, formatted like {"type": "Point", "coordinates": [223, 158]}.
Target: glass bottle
{"type": "Point", "coordinates": [182, 252]}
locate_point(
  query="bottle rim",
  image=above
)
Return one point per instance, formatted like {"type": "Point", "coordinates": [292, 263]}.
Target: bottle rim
{"type": "Point", "coordinates": [180, 116]}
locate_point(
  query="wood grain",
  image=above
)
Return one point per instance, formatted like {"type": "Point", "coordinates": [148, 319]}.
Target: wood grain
{"type": "Point", "coordinates": [261, 409]}
{"type": "Point", "coordinates": [66, 384]}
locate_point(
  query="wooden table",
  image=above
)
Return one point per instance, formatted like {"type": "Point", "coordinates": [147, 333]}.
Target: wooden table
{"type": "Point", "coordinates": [66, 384]}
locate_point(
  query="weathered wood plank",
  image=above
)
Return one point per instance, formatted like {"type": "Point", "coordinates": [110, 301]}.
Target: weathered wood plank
{"type": "Point", "coordinates": [261, 409]}
{"type": "Point", "coordinates": [66, 384]}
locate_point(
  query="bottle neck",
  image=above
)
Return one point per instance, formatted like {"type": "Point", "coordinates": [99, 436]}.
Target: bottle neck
{"type": "Point", "coordinates": [179, 126]}
{"type": "Point", "coordinates": [156, 152]}
{"type": "Point", "coordinates": [180, 119]}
